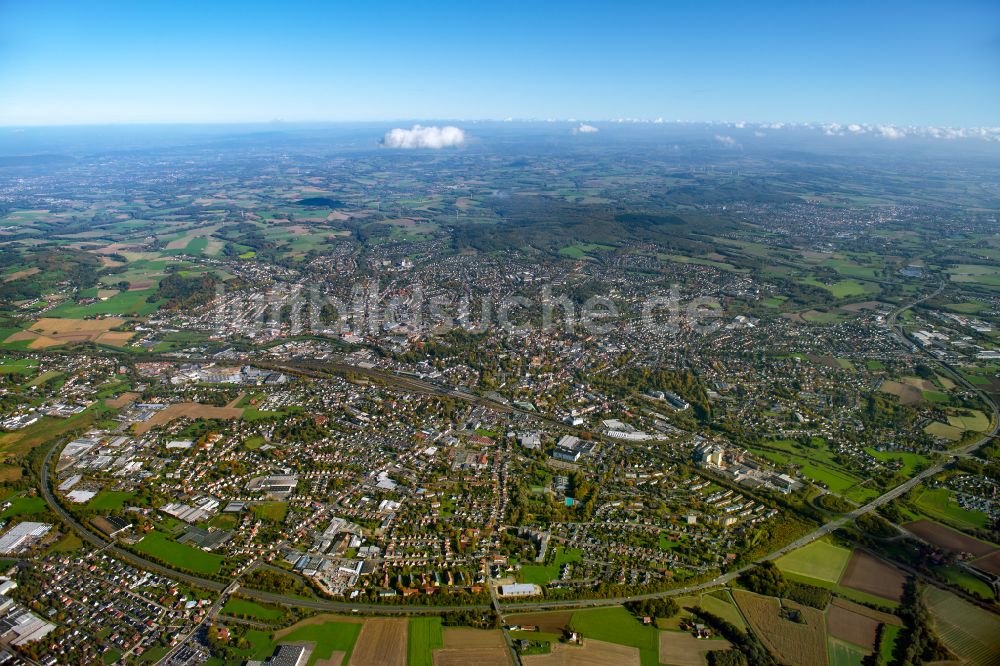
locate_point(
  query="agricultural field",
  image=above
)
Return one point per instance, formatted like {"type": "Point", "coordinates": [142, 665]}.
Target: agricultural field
{"type": "Point", "coordinates": [968, 631]}
{"type": "Point", "coordinates": [821, 560]}
{"type": "Point", "coordinates": [52, 332]}
{"type": "Point", "coordinates": [869, 574]}
{"type": "Point", "coordinates": [190, 410]}
{"type": "Point", "coordinates": [159, 546]}
{"type": "Point", "coordinates": [551, 622]}
{"type": "Point", "coordinates": [617, 625]}
{"type": "Point", "coordinates": [969, 419]}
{"type": "Point", "coordinates": [128, 303]}
{"type": "Point", "coordinates": [424, 635]}
{"type": "Point", "coordinates": [843, 653]}
{"type": "Point", "coordinates": [949, 539]}
{"type": "Point", "coordinates": [472, 646]}
{"type": "Point", "coordinates": [944, 431]}
{"type": "Point", "coordinates": [908, 395]}
{"type": "Point", "coordinates": [855, 623]}
{"type": "Point", "coordinates": [795, 643]}
{"type": "Point", "coordinates": [682, 649]}
{"type": "Point", "coordinates": [382, 642]}
{"type": "Point", "coordinates": [333, 638]}
{"type": "Point", "coordinates": [591, 653]}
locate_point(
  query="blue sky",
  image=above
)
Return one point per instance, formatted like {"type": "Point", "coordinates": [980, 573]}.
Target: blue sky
{"type": "Point", "coordinates": [175, 61]}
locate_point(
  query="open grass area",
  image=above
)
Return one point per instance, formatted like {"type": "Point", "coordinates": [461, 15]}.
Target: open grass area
{"type": "Point", "coordinates": [887, 643]}
{"type": "Point", "coordinates": [542, 574]}
{"type": "Point", "coordinates": [970, 419]}
{"type": "Point", "coordinates": [46, 429]}
{"type": "Point", "coordinates": [18, 366]}
{"type": "Point", "coordinates": [960, 577]}
{"type": "Point", "coordinates": [910, 460]}
{"type": "Point", "coordinates": [617, 625]}
{"type": "Point", "coordinates": [271, 511]}
{"type": "Point", "coordinates": [939, 504]}
{"type": "Point", "coordinates": [251, 609]}
{"type": "Point", "coordinates": [819, 559]}
{"type": "Point", "coordinates": [126, 303]}
{"type": "Point", "coordinates": [110, 500]}
{"type": "Point", "coordinates": [424, 636]}
{"type": "Point", "coordinates": [159, 545]}
{"type": "Point", "coordinates": [24, 506]}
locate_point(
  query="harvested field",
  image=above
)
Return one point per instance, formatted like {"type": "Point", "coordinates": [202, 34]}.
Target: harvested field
{"type": "Point", "coordinates": [52, 332]}
{"type": "Point", "coordinates": [683, 649]}
{"type": "Point", "coordinates": [793, 643]}
{"type": "Point", "coordinates": [922, 384]}
{"type": "Point", "coordinates": [845, 624]}
{"type": "Point", "coordinates": [191, 410]}
{"type": "Point", "coordinates": [968, 631]}
{"type": "Point", "coordinates": [121, 401]}
{"type": "Point", "coordinates": [472, 646]}
{"type": "Point", "coordinates": [990, 563]}
{"type": "Point", "coordinates": [315, 620]}
{"type": "Point", "coordinates": [336, 658]}
{"type": "Point", "coordinates": [869, 574]}
{"type": "Point", "coordinates": [591, 653]}
{"type": "Point", "coordinates": [908, 395]}
{"type": "Point", "coordinates": [382, 642]}
{"type": "Point", "coordinates": [551, 623]}
{"type": "Point", "coordinates": [949, 539]}
{"type": "Point", "coordinates": [17, 275]}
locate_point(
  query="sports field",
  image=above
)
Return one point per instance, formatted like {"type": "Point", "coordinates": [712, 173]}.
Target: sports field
{"type": "Point", "coordinates": [820, 559]}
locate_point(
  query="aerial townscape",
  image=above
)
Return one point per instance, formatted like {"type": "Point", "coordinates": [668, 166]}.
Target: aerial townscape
{"type": "Point", "coordinates": [521, 392]}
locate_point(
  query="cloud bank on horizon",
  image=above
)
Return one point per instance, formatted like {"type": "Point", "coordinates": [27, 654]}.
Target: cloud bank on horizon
{"type": "Point", "coordinates": [419, 136]}
{"type": "Point", "coordinates": [584, 128]}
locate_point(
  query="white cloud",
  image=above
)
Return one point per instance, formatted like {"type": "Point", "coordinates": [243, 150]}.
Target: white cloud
{"type": "Point", "coordinates": [727, 141]}
{"type": "Point", "coordinates": [584, 128]}
{"type": "Point", "coordinates": [891, 132]}
{"type": "Point", "coordinates": [854, 128]}
{"type": "Point", "coordinates": [424, 137]}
